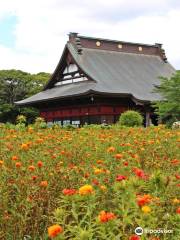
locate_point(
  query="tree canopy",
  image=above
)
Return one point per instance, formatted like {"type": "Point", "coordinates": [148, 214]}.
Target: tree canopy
{"type": "Point", "coordinates": [16, 85]}
{"type": "Point", "coordinates": [168, 109]}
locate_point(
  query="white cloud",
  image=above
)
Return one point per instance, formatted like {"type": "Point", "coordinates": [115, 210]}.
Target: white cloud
{"type": "Point", "coordinates": [43, 25]}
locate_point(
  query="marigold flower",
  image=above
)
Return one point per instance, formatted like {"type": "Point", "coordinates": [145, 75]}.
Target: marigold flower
{"type": "Point", "coordinates": [106, 216]}
{"type": "Point", "coordinates": [119, 178]}
{"type": "Point", "coordinates": [85, 190]}
{"type": "Point", "coordinates": [103, 188]}
{"type": "Point", "coordinates": [146, 209]}
{"type": "Point", "coordinates": [18, 164]}
{"type": "Point", "coordinates": [14, 158]}
{"type": "Point", "coordinates": [142, 200]}
{"type": "Point", "coordinates": [140, 173]}
{"type": "Point", "coordinates": [43, 183]}
{"type": "Point", "coordinates": [1, 162]}
{"type": "Point", "coordinates": [54, 231]}
{"type": "Point", "coordinates": [95, 182]}
{"type": "Point", "coordinates": [40, 164]}
{"type": "Point", "coordinates": [177, 176]}
{"type": "Point", "coordinates": [126, 164]}
{"type": "Point", "coordinates": [134, 237]}
{"type": "Point", "coordinates": [69, 191]}
{"type": "Point", "coordinates": [118, 156]}
{"type": "Point", "coordinates": [175, 200]}
{"type": "Point", "coordinates": [111, 149]}
{"type": "Point", "coordinates": [178, 210]}
{"type": "Point", "coordinates": [31, 168]}
{"type": "Point", "coordinates": [98, 171]}
{"type": "Point", "coordinates": [34, 177]}
{"type": "Point", "coordinates": [24, 146]}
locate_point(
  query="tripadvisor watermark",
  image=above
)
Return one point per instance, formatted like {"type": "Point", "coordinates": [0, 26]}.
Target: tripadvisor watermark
{"type": "Point", "coordinates": [139, 231]}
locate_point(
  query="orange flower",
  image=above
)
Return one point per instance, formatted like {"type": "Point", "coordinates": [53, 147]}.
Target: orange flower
{"type": "Point", "coordinates": [69, 191]}
{"type": "Point", "coordinates": [18, 164]}
{"type": "Point", "coordinates": [24, 146]}
{"type": "Point", "coordinates": [146, 209]}
{"type": "Point", "coordinates": [85, 190]}
{"type": "Point", "coordinates": [14, 158]}
{"type": "Point", "coordinates": [142, 200]}
{"type": "Point", "coordinates": [31, 168]}
{"type": "Point", "coordinates": [54, 230]}
{"type": "Point", "coordinates": [43, 183]}
{"type": "Point", "coordinates": [1, 162]}
{"type": "Point", "coordinates": [111, 149]}
{"type": "Point", "coordinates": [40, 164]}
{"type": "Point", "coordinates": [118, 156]}
{"type": "Point", "coordinates": [106, 216]}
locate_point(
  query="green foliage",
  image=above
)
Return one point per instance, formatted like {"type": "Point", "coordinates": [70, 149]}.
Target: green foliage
{"type": "Point", "coordinates": [21, 119]}
{"type": "Point", "coordinates": [131, 119]}
{"type": "Point", "coordinates": [16, 85]}
{"type": "Point", "coordinates": [168, 109]}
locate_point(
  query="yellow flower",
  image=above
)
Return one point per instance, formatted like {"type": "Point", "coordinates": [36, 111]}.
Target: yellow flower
{"type": "Point", "coordinates": [86, 189]}
{"type": "Point", "coordinates": [103, 188]}
{"type": "Point", "coordinates": [175, 200]}
{"type": "Point", "coordinates": [146, 209]}
{"type": "Point", "coordinates": [98, 171]}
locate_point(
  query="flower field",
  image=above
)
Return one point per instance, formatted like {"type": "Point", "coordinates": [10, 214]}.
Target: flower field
{"type": "Point", "coordinates": [89, 184]}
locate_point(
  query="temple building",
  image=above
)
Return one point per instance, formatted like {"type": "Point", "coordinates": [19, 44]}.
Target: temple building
{"type": "Point", "coordinates": [98, 79]}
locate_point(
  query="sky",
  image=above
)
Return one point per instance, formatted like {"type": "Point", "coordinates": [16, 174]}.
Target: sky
{"type": "Point", "coordinates": [33, 32]}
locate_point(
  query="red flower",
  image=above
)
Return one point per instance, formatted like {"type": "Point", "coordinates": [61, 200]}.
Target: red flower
{"type": "Point", "coordinates": [134, 237]}
{"type": "Point", "coordinates": [126, 164]}
{"type": "Point", "coordinates": [120, 178]}
{"type": "Point", "coordinates": [140, 173]}
{"type": "Point", "coordinates": [18, 164]}
{"type": "Point", "coordinates": [106, 216]}
{"type": "Point", "coordinates": [178, 210]}
{"type": "Point", "coordinates": [143, 200]}
{"type": "Point", "coordinates": [69, 192]}
{"type": "Point", "coordinates": [40, 164]}
{"type": "Point", "coordinates": [34, 177]}
{"type": "Point", "coordinates": [177, 176]}
{"type": "Point", "coordinates": [95, 182]}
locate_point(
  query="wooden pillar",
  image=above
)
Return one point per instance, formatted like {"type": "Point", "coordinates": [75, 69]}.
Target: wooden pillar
{"type": "Point", "coordinates": [148, 120]}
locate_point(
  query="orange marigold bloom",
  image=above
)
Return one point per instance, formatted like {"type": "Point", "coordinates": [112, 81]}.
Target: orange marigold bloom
{"type": "Point", "coordinates": [146, 209]}
{"type": "Point", "coordinates": [118, 156]}
{"type": "Point", "coordinates": [43, 183]}
{"type": "Point", "coordinates": [142, 200]}
{"type": "Point", "coordinates": [31, 168]}
{"type": "Point", "coordinates": [111, 149]}
{"type": "Point", "coordinates": [85, 190]}
{"type": "Point", "coordinates": [69, 191]}
{"type": "Point", "coordinates": [1, 162]}
{"type": "Point", "coordinates": [18, 164]}
{"type": "Point", "coordinates": [40, 164]}
{"type": "Point", "coordinates": [106, 216]}
{"type": "Point", "coordinates": [54, 231]}
{"type": "Point", "coordinates": [24, 146]}
{"type": "Point", "coordinates": [14, 158]}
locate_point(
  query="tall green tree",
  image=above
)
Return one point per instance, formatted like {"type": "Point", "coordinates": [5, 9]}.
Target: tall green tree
{"type": "Point", "coordinates": [168, 109]}
{"type": "Point", "coordinates": [16, 85]}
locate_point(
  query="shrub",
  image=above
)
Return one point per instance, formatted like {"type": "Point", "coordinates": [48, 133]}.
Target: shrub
{"type": "Point", "coordinates": [131, 119]}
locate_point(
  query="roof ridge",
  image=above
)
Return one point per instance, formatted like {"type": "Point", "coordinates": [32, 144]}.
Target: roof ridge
{"type": "Point", "coordinates": [119, 41]}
